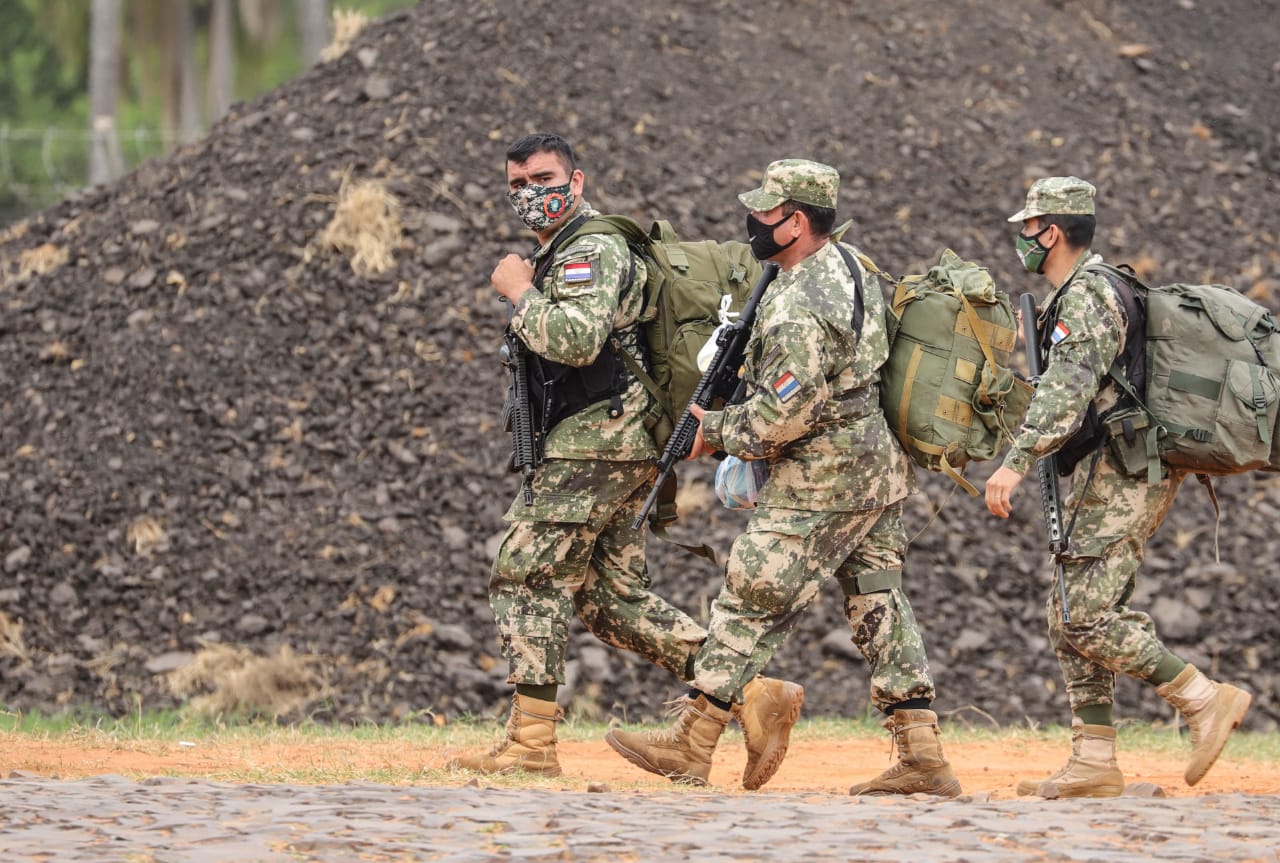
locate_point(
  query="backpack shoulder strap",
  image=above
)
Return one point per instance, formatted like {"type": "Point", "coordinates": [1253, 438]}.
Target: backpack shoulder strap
{"type": "Point", "coordinates": [571, 231]}
{"type": "Point", "coordinates": [859, 310]}
{"type": "Point", "coordinates": [639, 243]}
{"type": "Point", "coordinates": [1129, 291]}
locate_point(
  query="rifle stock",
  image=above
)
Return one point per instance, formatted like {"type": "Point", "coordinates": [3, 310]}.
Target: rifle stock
{"type": "Point", "coordinates": [720, 380]}
{"type": "Point", "coordinates": [1047, 468]}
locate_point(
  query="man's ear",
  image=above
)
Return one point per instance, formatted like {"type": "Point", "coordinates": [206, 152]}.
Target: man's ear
{"type": "Point", "coordinates": [577, 182]}
{"type": "Point", "coordinates": [804, 226]}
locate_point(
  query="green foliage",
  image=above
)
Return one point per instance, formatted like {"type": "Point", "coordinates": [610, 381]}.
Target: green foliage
{"type": "Point", "coordinates": [44, 106]}
{"type": "Point", "coordinates": [36, 80]}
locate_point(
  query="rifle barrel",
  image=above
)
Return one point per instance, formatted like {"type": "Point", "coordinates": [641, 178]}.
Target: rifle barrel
{"type": "Point", "coordinates": [1047, 467]}
{"type": "Point", "coordinates": [724, 367]}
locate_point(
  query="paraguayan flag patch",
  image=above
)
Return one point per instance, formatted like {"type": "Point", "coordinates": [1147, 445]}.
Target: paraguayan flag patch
{"type": "Point", "coordinates": [1059, 333]}
{"type": "Point", "coordinates": [786, 386]}
{"type": "Point", "coordinates": [578, 273]}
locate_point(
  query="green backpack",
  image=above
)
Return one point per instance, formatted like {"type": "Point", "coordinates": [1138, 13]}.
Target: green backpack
{"type": "Point", "coordinates": [1212, 392]}
{"type": "Point", "coordinates": [947, 390]}
{"type": "Point", "coordinates": [690, 283]}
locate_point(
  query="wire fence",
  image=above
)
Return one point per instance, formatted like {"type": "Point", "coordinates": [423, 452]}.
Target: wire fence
{"type": "Point", "coordinates": [40, 166]}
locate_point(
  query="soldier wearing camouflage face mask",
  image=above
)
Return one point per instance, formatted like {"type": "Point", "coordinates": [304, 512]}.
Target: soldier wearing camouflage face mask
{"type": "Point", "coordinates": [1085, 325]}
{"type": "Point", "coordinates": [571, 550]}
{"type": "Point", "coordinates": [832, 503]}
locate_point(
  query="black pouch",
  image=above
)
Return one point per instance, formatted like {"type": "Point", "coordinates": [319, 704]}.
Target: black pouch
{"type": "Point", "coordinates": [1129, 439]}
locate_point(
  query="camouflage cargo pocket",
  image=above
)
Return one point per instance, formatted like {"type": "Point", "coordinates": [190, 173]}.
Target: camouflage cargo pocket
{"type": "Point", "coordinates": [557, 507]}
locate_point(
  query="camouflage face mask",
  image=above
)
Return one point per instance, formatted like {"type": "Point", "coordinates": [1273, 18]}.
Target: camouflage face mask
{"type": "Point", "coordinates": [1030, 251]}
{"type": "Point", "coordinates": [540, 207]}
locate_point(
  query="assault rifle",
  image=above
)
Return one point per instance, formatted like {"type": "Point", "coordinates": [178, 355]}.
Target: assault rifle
{"type": "Point", "coordinates": [1050, 497]}
{"type": "Point", "coordinates": [526, 440]}
{"type": "Point", "coordinates": [720, 381]}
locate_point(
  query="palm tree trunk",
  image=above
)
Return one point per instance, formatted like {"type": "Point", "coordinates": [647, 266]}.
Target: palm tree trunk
{"type": "Point", "coordinates": [105, 163]}
{"type": "Point", "coordinates": [221, 59]}
{"type": "Point", "coordinates": [184, 43]}
{"type": "Point", "coordinates": [313, 21]}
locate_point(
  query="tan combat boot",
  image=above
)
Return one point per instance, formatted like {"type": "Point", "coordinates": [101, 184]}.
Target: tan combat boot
{"type": "Point", "coordinates": [682, 753]}
{"type": "Point", "coordinates": [768, 710]}
{"type": "Point", "coordinates": [530, 744]}
{"type": "Point", "coordinates": [1213, 711]}
{"type": "Point", "coordinates": [921, 767]}
{"type": "Point", "coordinates": [1091, 771]}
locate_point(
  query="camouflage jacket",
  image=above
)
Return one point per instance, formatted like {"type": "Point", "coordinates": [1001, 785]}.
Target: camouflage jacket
{"type": "Point", "coordinates": [1088, 337]}
{"type": "Point", "coordinates": [568, 320]}
{"type": "Point", "coordinates": [813, 400]}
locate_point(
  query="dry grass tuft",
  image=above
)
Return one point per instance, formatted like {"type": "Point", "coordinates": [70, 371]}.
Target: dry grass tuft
{"type": "Point", "coordinates": [11, 643]}
{"type": "Point", "coordinates": [147, 535]}
{"type": "Point", "coordinates": [346, 24]}
{"type": "Point", "coordinates": [235, 682]}
{"type": "Point", "coordinates": [16, 231]}
{"type": "Point", "coordinates": [41, 260]}
{"type": "Point", "coordinates": [365, 227]}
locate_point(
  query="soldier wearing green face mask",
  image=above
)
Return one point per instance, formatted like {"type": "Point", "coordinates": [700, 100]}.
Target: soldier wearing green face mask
{"type": "Point", "coordinates": [1085, 325]}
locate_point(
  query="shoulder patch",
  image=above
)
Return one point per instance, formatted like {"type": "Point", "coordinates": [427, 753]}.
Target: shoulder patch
{"type": "Point", "coordinates": [786, 385]}
{"type": "Point", "coordinates": [579, 273]}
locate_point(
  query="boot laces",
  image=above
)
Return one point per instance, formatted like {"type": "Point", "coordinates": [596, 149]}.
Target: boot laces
{"type": "Point", "coordinates": [675, 710]}
{"type": "Point", "coordinates": [895, 745]}
{"type": "Point", "coordinates": [897, 768]}
{"type": "Point", "coordinates": [677, 706]}
{"type": "Point", "coordinates": [897, 738]}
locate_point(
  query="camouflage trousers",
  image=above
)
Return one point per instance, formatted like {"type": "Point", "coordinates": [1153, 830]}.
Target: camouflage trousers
{"type": "Point", "coordinates": [1117, 515]}
{"type": "Point", "coordinates": [574, 552]}
{"type": "Point", "coordinates": [775, 570]}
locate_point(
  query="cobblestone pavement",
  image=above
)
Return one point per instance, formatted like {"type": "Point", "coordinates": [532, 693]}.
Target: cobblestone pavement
{"type": "Point", "coordinates": [110, 818]}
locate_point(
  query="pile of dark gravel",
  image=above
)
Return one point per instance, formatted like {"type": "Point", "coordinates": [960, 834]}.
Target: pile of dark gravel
{"type": "Point", "coordinates": [214, 431]}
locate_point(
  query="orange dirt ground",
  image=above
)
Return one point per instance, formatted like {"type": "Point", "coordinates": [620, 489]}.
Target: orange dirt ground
{"type": "Point", "coordinates": [811, 765]}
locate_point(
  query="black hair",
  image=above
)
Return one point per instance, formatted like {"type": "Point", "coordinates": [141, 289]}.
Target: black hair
{"type": "Point", "coordinates": [821, 219]}
{"type": "Point", "coordinates": [542, 142]}
{"type": "Point", "coordinates": [1077, 229]}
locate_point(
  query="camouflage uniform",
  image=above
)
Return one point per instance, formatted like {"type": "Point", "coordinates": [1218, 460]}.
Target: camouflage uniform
{"type": "Point", "coordinates": [574, 551]}
{"type": "Point", "coordinates": [1117, 514]}
{"type": "Point", "coordinates": [832, 502]}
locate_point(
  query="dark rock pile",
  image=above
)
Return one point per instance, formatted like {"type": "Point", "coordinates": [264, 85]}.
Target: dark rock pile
{"type": "Point", "coordinates": [215, 431]}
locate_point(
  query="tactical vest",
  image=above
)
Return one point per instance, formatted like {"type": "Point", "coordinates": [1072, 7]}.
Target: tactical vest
{"type": "Point", "coordinates": [558, 390]}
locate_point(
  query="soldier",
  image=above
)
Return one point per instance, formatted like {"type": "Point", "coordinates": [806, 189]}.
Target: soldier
{"type": "Point", "coordinates": [832, 503]}
{"type": "Point", "coordinates": [1084, 327]}
{"type": "Point", "coordinates": [572, 551]}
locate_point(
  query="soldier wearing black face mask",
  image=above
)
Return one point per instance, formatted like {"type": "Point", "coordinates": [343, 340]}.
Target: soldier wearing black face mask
{"type": "Point", "coordinates": [761, 236]}
{"type": "Point", "coordinates": [832, 503]}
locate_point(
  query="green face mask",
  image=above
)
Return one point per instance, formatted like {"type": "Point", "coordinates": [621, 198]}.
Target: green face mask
{"type": "Point", "coordinates": [1030, 252]}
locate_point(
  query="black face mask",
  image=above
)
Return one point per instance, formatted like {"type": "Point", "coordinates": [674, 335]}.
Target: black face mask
{"type": "Point", "coordinates": [760, 235]}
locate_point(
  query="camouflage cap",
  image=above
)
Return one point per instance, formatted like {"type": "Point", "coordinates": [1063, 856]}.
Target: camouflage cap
{"type": "Point", "coordinates": [1062, 196]}
{"type": "Point", "coordinates": [794, 180]}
